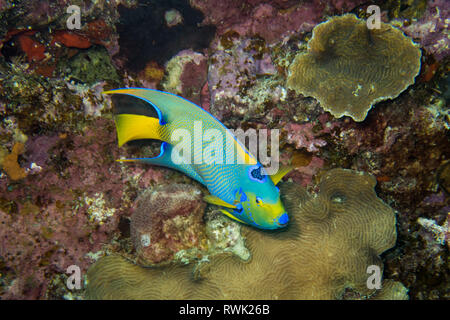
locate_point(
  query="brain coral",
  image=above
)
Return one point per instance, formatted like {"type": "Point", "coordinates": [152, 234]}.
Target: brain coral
{"type": "Point", "coordinates": [349, 67]}
{"type": "Point", "coordinates": [332, 239]}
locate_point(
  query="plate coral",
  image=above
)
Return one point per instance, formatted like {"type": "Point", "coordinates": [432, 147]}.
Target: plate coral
{"type": "Point", "coordinates": [349, 67]}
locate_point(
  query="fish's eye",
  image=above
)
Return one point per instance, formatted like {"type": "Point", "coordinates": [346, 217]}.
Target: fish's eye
{"type": "Point", "coordinates": [258, 200]}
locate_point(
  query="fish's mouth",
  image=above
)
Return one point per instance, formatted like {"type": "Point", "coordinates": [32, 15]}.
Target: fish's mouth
{"type": "Point", "coordinates": [282, 220]}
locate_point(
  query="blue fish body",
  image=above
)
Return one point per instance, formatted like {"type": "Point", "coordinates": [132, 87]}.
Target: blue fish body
{"type": "Point", "coordinates": [211, 155]}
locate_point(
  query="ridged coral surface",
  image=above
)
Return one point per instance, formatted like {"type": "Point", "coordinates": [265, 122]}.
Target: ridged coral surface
{"type": "Point", "coordinates": [333, 238]}
{"type": "Point", "coordinates": [349, 67]}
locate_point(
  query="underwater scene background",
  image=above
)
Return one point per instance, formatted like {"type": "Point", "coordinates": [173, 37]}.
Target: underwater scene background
{"type": "Point", "coordinates": [363, 121]}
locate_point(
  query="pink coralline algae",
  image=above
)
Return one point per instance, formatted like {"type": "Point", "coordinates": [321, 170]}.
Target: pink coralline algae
{"type": "Point", "coordinates": [94, 102]}
{"type": "Point", "coordinates": [205, 99]}
{"type": "Point", "coordinates": [272, 21]}
{"type": "Point", "coordinates": [302, 136]}
{"type": "Point", "coordinates": [231, 70]}
{"type": "Point", "coordinates": [38, 149]}
{"type": "Point", "coordinates": [186, 75]}
{"type": "Point", "coordinates": [147, 175]}
{"type": "Point", "coordinates": [167, 219]}
{"type": "Point", "coordinates": [193, 78]}
{"type": "Point", "coordinates": [305, 137]}
{"type": "Point", "coordinates": [59, 214]}
{"type": "Point", "coordinates": [304, 175]}
{"type": "Point", "coordinates": [431, 30]}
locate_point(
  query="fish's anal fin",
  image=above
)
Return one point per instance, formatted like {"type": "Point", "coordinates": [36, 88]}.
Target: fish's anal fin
{"type": "Point", "coordinates": [217, 201]}
{"type": "Point", "coordinates": [133, 127]}
{"type": "Point", "coordinates": [225, 212]}
{"type": "Point", "coordinates": [284, 170]}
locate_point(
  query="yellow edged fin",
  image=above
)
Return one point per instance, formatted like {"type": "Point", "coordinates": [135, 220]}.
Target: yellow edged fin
{"type": "Point", "coordinates": [284, 170]}
{"type": "Point", "coordinates": [133, 127]}
{"type": "Point", "coordinates": [123, 91]}
{"type": "Point", "coordinates": [225, 212]}
{"type": "Point", "coordinates": [217, 201]}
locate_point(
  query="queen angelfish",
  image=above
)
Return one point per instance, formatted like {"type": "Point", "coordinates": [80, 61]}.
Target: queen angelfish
{"type": "Point", "coordinates": [241, 187]}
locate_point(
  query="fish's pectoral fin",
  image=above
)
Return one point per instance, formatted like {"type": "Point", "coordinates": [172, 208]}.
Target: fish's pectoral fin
{"type": "Point", "coordinates": [225, 212]}
{"type": "Point", "coordinates": [217, 201]}
{"type": "Point", "coordinates": [284, 170]}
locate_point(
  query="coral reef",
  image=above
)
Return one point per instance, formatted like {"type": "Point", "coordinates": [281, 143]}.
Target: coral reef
{"type": "Point", "coordinates": [237, 82]}
{"type": "Point", "coordinates": [71, 203]}
{"type": "Point", "coordinates": [404, 144]}
{"type": "Point", "coordinates": [89, 66]}
{"type": "Point", "coordinates": [430, 29]}
{"type": "Point", "coordinates": [173, 17]}
{"type": "Point", "coordinates": [444, 177]}
{"type": "Point", "coordinates": [56, 215]}
{"type": "Point", "coordinates": [274, 20]}
{"type": "Point", "coordinates": [39, 32]}
{"type": "Point", "coordinates": [144, 34]}
{"type": "Point", "coordinates": [10, 165]}
{"type": "Point", "coordinates": [440, 233]}
{"type": "Point", "coordinates": [186, 75]}
{"type": "Point", "coordinates": [169, 225]}
{"type": "Point", "coordinates": [349, 67]}
{"type": "Point", "coordinates": [151, 75]}
{"type": "Point", "coordinates": [334, 237]}
{"type": "Point", "coordinates": [167, 219]}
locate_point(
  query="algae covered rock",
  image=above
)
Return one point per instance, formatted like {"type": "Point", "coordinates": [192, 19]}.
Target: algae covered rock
{"type": "Point", "coordinates": [349, 67]}
{"type": "Point", "coordinates": [88, 66]}
{"type": "Point", "coordinates": [167, 219]}
{"type": "Point", "coordinates": [333, 237]}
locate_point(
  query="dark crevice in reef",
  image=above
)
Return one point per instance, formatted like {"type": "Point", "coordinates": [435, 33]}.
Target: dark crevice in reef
{"type": "Point", "coordinates": [144, 35]}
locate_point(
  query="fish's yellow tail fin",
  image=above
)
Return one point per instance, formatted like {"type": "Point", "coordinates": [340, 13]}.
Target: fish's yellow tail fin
{"type": "Point", "coordinates": [133, 127]}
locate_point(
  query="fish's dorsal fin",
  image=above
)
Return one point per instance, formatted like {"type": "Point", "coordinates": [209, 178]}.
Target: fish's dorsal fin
{"type": "Point", "coordinates": [170, 107]}
{"type": "Point", "coordinates": [134, 127]}
{"type": "Point", "coordinates": [284, 170]}
{"type": "Point", "coordinates": [217, 201]}
{"type": "Point", "coordinates": [138, 93]}
{"type": "Point", "coordinates": [225, 212]}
